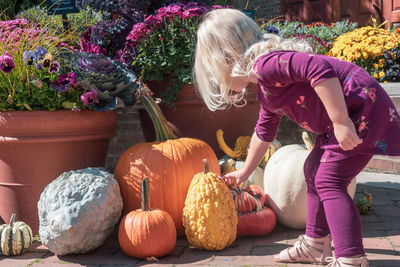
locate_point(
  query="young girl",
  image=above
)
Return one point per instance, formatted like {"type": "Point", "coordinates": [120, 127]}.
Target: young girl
{"type": "Point", "coordinates": [352, 115]}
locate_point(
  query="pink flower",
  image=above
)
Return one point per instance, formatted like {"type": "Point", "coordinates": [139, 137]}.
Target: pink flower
{"type": "Point", "coordinates": [89, 97]}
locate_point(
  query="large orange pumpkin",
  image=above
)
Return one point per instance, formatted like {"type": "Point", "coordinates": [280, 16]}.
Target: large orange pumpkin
{"type": "Point", "coordinates": [169, 163]}
{"type": "Point", "coordinates": [147, 233]}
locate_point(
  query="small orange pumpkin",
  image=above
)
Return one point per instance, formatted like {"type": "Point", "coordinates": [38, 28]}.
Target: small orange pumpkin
{"type": "Point", "coordinates": [147, 233]}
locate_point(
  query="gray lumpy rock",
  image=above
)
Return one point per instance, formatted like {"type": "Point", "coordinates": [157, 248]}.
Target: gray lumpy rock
{"type": "Point", "coordinates": [78, 210]}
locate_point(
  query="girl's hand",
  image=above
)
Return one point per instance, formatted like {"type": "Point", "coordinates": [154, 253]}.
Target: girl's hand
{"type": "Point", "coordinates": [346, 135]}
{"type": "Point", "coordinates": [236, 177]}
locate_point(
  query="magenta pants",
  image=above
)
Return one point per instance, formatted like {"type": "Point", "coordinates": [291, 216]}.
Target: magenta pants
{"type": "Point", "coordinates": [330, 209]}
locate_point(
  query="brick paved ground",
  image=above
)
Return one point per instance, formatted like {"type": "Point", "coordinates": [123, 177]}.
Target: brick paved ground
{"type": "Point", "coordinates": [381, 239]}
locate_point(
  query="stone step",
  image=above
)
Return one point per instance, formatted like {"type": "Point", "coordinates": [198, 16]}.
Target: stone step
{"type": "Point", "coordinates": [378, 179]}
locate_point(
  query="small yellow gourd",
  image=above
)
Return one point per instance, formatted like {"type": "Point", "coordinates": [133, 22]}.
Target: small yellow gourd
{"type": "Point", "coordinates": [209, 215]}
{"type": "Point", "coordinates": [241, 147]}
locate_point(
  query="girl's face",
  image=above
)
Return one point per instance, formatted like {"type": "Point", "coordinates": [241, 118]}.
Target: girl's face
{"type": "Point", "coordinates": [239, 82]}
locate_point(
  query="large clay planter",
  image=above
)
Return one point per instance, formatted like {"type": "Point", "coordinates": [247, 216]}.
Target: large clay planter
{"type": "Point", "coordinates": [37, 146]}
{"type": "Point", "coordinates": [191, 118]}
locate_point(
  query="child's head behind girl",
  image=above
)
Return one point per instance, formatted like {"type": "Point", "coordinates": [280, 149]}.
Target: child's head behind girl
{"type": "Point", "coordinates": [228, 44]}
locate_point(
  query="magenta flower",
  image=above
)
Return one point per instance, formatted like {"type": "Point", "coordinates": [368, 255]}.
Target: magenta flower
{"type": "Point", "coordinates": [6, 63]}
{"type": "Point", "coordinates": [67, 79]}
{"type": "Point", "coordinates": [88, 47]}
{"type": "Point", "coordinates": [63, 82]}
{"type": "Point", "coordinates": [89, 97]}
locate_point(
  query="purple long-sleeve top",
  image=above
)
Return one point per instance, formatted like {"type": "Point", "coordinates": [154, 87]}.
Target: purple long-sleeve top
{"type": "Point", "coordinates": [285, 87]}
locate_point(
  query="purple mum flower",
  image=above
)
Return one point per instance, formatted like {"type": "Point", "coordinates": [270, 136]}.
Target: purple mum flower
{"type": "Point", "coordinates": [89, 97]}
{"type": "Point", "coordinates": [6, 63]}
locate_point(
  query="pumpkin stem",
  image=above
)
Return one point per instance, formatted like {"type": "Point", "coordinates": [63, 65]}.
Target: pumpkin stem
{"type": "Point", "coordinates": [11, 223]}
{"type": "Point", "coordinates": [161, 127]}
{"type": "Point", "coordinates": [307, 140]}
{"type": "Point", "coordinates": [206, 166]}
{"type": "Point", "coordinates": [145, 194]}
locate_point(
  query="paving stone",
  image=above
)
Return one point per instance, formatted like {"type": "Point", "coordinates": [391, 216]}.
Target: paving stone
{"type": "Point", "coordinates": [394, 237]}
{"type": "Point", "coordinates": [377, 233]}
{"type": "Point", "coordinates": [246, 260]}
{"type": "Point", "coordinates": [195, 256]}
{"type": "Point", "coordinates": [277, 236]}
{"type": "Point", "coordinates": [369, 218]}
{"type": "Point", "coordinates": [270, 250]}
{"type": "Point", "coordinates": [388, 213]}
{"type": "Point", "coordinates": [22, 260]}
{"type": "Point", "coordinates": [241, 246]}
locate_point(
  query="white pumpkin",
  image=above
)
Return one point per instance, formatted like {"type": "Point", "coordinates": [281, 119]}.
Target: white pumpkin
{"type": "Point", "coordinates": [285, 185]}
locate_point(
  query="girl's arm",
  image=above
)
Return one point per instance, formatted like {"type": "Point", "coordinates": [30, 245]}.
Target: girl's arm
{"type": "Point", "coordinates": [256, 152]}
{"type": "Point", "coordinates": [331, 94]}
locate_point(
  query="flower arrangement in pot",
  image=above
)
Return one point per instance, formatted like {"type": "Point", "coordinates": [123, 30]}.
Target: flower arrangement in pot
{"type": "Point", "coordinates": [365, 47]}
{"type": "Point", "coordinates": [161, 47]}
{"type": "Point", "coordinates": [48, 122]}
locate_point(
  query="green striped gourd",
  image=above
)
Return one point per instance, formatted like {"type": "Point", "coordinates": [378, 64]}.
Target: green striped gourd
{"type": "Point", "coordinates": [15, 237]}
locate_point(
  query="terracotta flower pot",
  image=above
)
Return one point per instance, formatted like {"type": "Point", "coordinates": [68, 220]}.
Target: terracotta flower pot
{"type": "Point", "coordinates": [37, 146]}
{"type": "Point", "coordinates": [191, 118]}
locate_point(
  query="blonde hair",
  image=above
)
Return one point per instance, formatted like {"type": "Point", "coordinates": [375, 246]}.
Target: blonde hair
{"type": "Point", "coordinates": [228, 44]}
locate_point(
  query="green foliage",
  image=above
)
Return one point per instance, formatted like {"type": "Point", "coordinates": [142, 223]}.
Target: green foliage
{"type": "Point", "coordinates": [391, 65]}
{"type": "Point", "coordinates": [166, 53]}
{"type": "Point", "coordinates": [320, 35]}
{"type": "Point", "coordinates": [79, 22]}
{"type": "Point", "coordinates": [8, 8]}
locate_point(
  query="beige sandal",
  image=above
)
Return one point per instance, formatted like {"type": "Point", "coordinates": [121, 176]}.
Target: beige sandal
{"type": "Point", "coordinates": [307, 250]}
{"type": "Point", "coordinates": [347, 262]}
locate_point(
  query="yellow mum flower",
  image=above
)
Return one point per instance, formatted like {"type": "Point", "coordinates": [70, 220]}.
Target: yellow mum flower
{"type": "Point", "coordinates": [376, 65]}
{"type": "Point", "coordinates": [381, 74]}
{"type": "Point", "coordinates": [363, 43]}
{"type": "Point", "coordinates": [376, 76]}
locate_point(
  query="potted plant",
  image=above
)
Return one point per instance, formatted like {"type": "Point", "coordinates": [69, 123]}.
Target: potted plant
{"type": "Point", "coordinates": [161, 49]}
{"type": "Point", "coordinates": [48, 121]}
{"type": "Point", "coordinates": [377, 51]}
